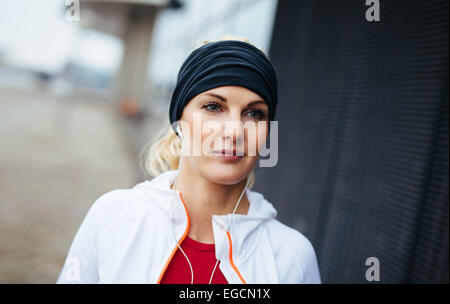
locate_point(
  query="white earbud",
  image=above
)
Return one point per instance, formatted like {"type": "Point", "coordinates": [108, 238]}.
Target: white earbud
{"type": "Point", "coordinates": [179, 132]}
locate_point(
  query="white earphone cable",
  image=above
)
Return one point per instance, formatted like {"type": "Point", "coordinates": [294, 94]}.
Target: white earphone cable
{"type": "Point", "coordinates": [227, 228]}
{"type": "Point", "coordinates": [179, 247]}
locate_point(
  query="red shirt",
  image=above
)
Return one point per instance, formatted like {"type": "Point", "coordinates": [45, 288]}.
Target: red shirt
{"type": "Point", "coordinates": [202, 257]}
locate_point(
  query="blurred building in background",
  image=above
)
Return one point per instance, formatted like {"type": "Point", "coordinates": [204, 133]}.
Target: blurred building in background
{"type": "Point", "coordinates": [363, 122]}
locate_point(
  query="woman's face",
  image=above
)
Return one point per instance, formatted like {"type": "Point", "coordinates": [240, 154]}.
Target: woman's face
{"type": "Point", "coordinates": [228, 120]}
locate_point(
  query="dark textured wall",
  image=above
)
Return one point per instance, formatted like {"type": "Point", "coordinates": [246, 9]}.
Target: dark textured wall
{"type": "Point", "coordinates": [363, 136]}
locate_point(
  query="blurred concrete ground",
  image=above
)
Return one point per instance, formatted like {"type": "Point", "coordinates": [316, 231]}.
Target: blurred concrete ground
{"type": "Point", "coordinates": [57, 157]}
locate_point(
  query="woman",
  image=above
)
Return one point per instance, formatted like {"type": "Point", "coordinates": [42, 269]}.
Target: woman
{"type": "Point", "coordinates": [198, 221]}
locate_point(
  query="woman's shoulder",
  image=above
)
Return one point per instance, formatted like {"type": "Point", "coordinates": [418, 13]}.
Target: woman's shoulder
{"type": "Point", "coordinates": [286, 236]}
{"type": "Point", "coordinates": [118, 204]}
{"type": "Point", "coordinates": [122, 199]}
{"type": "Point", "coordinates": [292, 246]}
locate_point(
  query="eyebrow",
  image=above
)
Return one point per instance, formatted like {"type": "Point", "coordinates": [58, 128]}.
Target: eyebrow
{"type": "Point", "coordinates": [225, 100]}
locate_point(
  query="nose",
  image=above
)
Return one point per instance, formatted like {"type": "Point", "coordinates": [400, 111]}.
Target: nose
{"type": "Point", "coordinates": [233, 131]}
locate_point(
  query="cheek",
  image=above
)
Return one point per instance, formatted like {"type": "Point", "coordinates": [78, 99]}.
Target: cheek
{"type": "Point", "coordinates": [256, 139]}
{"type": "Point", "coordinates": [211, 135]}
{"type": "Point", "coordinates": [203, 130]}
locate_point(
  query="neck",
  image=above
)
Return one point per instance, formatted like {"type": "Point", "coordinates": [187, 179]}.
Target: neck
{"type": "Point", "coordinates": [204, 198]}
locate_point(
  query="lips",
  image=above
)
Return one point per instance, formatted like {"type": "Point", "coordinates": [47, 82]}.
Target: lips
{"type": "Point", "coordinates": [233, 152]}
{"type": "Point", "coordinates": [229, 155]}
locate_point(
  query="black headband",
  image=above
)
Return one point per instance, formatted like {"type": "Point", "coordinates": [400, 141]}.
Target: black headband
{"type": "Point", "coordinates": [222, 63]}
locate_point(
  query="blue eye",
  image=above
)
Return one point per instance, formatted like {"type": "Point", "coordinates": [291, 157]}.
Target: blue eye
{"type": "Point", "coordinates": [257, 114]}
{"type": "Point", "coordinates": [212, 107]}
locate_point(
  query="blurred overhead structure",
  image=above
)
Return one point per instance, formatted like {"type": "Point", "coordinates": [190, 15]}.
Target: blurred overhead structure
{"type": "Point", "coordinates": [132, 21]}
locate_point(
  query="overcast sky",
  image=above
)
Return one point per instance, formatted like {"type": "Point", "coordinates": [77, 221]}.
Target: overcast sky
{"type": "Point", "coordinates": [36, 35]}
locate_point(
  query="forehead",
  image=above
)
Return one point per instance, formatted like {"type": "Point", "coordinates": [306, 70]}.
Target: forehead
{"type": "Point", "coordinates": [232, 93]}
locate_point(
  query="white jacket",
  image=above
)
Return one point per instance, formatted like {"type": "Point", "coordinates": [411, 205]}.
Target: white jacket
{"type": "Point", "coordinates": [126, 238]}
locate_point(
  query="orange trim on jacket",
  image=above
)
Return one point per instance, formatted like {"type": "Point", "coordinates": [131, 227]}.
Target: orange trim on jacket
{"type": "Point", "coordinates": [182, 239]}
{"type": "Point", "coordinates": [231, 260]}
{"type": "Point", "coordinates": [176, 247]}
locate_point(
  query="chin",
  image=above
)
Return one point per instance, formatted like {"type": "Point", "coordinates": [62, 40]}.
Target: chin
{"type": "Point", "coordinates": [228, 174]}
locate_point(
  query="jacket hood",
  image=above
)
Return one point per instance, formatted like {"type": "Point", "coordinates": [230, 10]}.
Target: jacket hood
{"type": "Point", "coordinates": [259, 209]}
{"type": "Point", "coordinates": [242, 227]}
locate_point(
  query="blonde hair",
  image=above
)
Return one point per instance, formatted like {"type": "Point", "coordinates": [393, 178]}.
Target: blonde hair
{"type": "Point", "coordinates": [164, 153]}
